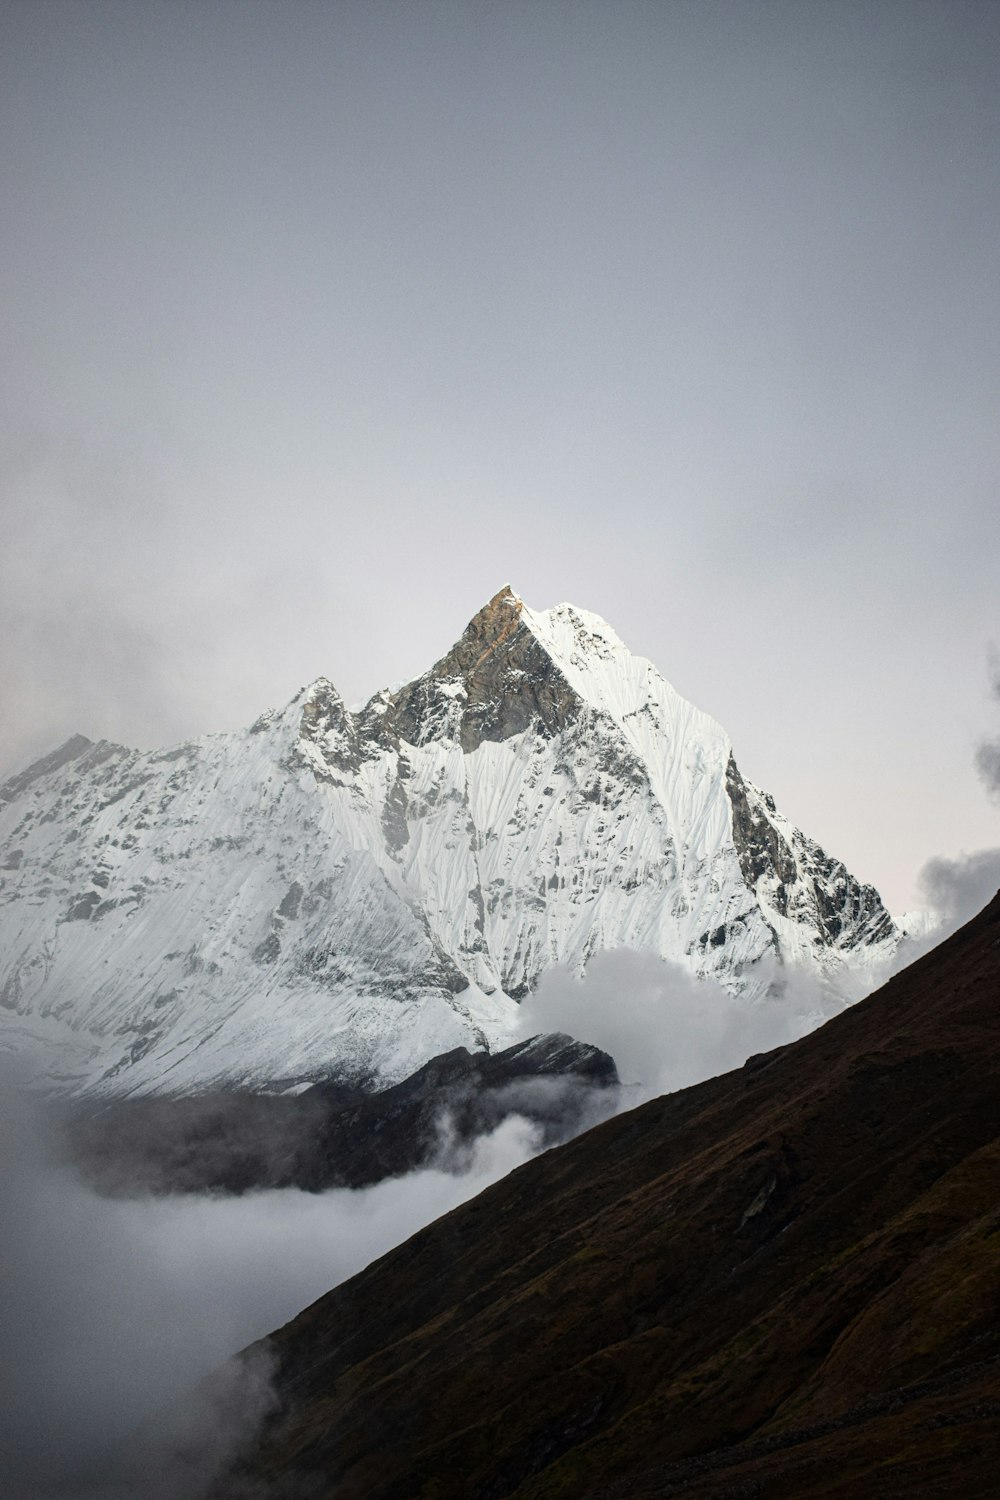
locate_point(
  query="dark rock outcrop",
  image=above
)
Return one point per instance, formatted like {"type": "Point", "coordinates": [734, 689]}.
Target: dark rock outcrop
{"type": "Point", "coordinates": [803, 881]}
{"type": "Point", "coordinates": [333, 1135]}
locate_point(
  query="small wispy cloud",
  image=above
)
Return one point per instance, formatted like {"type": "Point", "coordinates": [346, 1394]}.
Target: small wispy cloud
{"type": "Point", "coordinates": [957, 888]}
{"type": "Point", "coordinates": [988, 750]}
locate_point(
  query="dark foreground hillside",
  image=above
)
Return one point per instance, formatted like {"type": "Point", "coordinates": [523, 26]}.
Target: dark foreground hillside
{"type": "Point", "coordinates": [782, 1283]}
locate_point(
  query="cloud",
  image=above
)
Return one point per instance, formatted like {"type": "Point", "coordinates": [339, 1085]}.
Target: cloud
{"type": "Point", "coordinates": [527, 1115]}
{"type": "Point", "coordinates": [956, 889]}
{"type": "Point", "coordinates": [113, 1310]}
{"type": "Point", "coordinates": [664, 1028]}
{"type": "Point", "coordinates": [987, 757]}
{"type": "Point", "coordinates": [988, 766]}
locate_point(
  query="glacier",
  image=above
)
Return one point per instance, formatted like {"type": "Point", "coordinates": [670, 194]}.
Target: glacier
{"type": "Point", "coordinates": [347, 894]}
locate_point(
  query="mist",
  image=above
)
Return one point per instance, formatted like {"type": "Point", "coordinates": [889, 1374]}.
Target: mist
{"type": "Point", "coordinates": [988, 750]}
{"type": "Point", "coordinates": [957, 888]}
{"type": "Point", "coordinates": [666, 1029]}
{"type": "Point", "coordinates": [115, 1310]}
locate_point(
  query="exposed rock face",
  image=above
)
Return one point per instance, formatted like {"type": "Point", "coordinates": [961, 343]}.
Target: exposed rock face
{"type": "Point", "coordinates": [350, 894]}
{"type": "Point", "coordinates": [780, 1283]}
{"type": "Point", "coordinates": [76, 746]}
{"type": "Point", "coordinates": [497, 682]}
{"type": "Point", "coordinates": [805, 885]}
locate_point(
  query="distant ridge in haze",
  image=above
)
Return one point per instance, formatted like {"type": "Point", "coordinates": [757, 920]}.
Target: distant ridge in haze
{"type": "Point", "coordinates": [330, 894]}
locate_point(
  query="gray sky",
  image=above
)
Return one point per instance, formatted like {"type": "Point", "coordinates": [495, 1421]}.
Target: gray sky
{"type": "Point", "coordinates": [322, 321]}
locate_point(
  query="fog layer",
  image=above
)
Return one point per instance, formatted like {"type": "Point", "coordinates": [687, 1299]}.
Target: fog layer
{"type": "Point", "coordinates": [113, 1310]}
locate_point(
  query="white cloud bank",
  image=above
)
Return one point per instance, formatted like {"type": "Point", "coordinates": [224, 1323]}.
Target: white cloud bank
{"type": "Point", "coordinates": [664, 1028]}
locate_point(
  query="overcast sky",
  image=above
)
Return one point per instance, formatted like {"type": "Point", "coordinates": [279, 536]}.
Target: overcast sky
{"type": "Point", "coordinates": [322, 321]}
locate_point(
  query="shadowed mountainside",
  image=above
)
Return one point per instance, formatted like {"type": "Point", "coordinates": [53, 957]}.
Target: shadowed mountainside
{"type": "Point", "coordinates": [780, 1283]}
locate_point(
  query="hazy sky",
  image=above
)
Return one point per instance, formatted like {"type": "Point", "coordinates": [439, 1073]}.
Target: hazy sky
{"type": "Point", "coordinates": [322, 321]}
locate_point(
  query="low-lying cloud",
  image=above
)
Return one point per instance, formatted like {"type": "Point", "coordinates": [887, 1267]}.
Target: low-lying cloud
{"type": "Point", "coordinates": [114, 1310]}
{"type": "Point", "coordinates": [664, 1028]}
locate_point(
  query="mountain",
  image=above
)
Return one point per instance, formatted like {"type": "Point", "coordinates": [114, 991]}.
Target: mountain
{"type": "Point", "coordinates": [780, 1283]}
{"type": "Point", "coordinates": [337, 894]}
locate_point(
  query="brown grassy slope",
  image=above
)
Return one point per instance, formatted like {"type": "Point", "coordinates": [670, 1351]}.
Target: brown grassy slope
{"type": "Point", "coordinates": [781, 1282]}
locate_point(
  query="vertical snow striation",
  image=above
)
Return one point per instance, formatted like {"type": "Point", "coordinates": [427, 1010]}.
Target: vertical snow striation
{"type": "Point", "coordinates": [350, 894]}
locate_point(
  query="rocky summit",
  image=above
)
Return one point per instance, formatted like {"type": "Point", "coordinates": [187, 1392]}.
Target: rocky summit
{"type": "Point", "coordinates": [345, 895]}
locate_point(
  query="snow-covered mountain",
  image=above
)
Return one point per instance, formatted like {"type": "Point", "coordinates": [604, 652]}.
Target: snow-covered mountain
{"type": "Point", "coordinates": [345, 894]}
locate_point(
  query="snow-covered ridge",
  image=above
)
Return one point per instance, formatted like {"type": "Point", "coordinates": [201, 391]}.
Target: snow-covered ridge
{"type": "Point", "coordinates": [356, 892]}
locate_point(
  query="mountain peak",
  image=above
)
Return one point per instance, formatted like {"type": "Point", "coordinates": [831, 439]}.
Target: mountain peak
{"type": "Point", "coordinates": [568, 637]}
{"type": "Point", "coordinates": [506, 593]}
{"type": "Point", "coordinates": [499, 679]}
{"type": "Point", "coordinates": [372, 888]}
{"type": "Point", "coordinates": [497, 619]}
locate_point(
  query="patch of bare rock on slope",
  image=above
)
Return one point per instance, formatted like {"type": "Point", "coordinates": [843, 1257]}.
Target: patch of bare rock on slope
{"type": "Point", "coordinates": [780, 1283]}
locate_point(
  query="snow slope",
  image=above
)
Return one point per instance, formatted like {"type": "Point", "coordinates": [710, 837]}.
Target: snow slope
{"type": "Point", "coordinates": [351, 894]}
